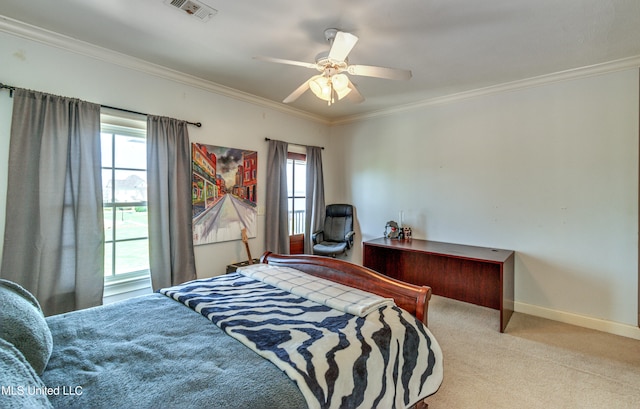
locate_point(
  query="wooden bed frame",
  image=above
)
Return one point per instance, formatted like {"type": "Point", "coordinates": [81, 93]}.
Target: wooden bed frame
{"type": "Point", "coordinates": [410, 297]}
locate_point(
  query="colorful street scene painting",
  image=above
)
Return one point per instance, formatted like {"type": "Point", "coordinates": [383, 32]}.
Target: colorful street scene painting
{"type": "Point", "coordinates": [223, 193]}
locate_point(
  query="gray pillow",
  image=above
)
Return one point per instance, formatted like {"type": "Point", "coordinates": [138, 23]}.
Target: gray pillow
{"type": "Point", "coordinates": [21, 387]}
{"type": "Point", "coordinates": [23, 325]}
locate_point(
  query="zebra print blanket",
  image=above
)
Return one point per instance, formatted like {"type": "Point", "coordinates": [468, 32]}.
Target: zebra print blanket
{"type": "Point", "coordinates": [387, 359]}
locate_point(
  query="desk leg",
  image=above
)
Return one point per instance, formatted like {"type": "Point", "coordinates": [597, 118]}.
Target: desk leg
{"type": "Point", "coordinates": [508, 292]}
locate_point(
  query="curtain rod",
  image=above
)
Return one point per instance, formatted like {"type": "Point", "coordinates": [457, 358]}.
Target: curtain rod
{"type": "Point", "coordinates": [297, 144]}
{"type": "Point", "coordinates": [198, 124]}
{"type": "Point", "coordinates": [11, 89]}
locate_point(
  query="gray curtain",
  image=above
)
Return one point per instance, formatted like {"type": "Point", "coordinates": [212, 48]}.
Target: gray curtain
{"type": "Point", "coordinates": [315, 208]}
{"type": "Point", "coordinates": [54, 237]}
{"type": "Point", "coordinates": [171, 257]}
{"type": "Point", "coordinates": [277, 224]}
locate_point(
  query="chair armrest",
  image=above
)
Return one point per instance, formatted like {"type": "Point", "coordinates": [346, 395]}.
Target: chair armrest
{"type": "Point", "coordinates": [349, 238]}
{"type": "Point", "coordinates": [317, 237]}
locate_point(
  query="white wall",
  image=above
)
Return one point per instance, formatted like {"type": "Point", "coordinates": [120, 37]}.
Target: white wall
{"type": "Point", "coordinates": [226, 121]}
{"type": "Point", "coordinates": [549, 171]}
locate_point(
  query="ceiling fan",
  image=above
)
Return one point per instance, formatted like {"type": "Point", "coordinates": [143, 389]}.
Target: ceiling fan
{"type": "Point", "coordinates": [332, 65]}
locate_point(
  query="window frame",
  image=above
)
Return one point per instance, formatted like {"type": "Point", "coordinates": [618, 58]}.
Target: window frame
{"type": "Point", "coordinates": [295, 157]}
{"type": "Point", "coordinates": [134, 129]}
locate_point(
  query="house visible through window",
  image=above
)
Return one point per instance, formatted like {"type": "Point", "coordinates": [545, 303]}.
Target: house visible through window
{"type": "Point", "coordinates": [124, 190]}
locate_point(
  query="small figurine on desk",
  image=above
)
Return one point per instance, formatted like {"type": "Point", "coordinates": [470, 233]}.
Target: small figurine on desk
{"type": "Point", "coordinates": [394, 230]}
{"type": "Point", "coordinates": [406, 233]}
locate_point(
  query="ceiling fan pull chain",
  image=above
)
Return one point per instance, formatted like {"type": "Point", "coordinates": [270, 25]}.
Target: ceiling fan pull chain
{"type": "Point", "coordinates": [331, 100]}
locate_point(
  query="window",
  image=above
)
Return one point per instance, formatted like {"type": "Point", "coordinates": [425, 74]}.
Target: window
{"type": "Point", "coordinates": [124, 190]}
{"type": "Point", "coordinates": [296, 191]}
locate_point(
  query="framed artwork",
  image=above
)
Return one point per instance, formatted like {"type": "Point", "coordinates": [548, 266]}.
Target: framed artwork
{"type": "Point", "coordinates": [223, 193]}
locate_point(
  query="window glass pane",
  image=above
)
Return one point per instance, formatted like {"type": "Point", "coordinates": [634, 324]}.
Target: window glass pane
{"type": "Point", "coordinates": [290, 177]}
{"type": "Point", "coordinates": [296, 190]}
{"type": "Point", "coordinates": [107, 152]}
{"type": "Point", "coordinates": [107, 186]}
{"type": "Point", "coordinates": [130, 186]}
{"type": "Point", "coordinates": [131, 222]}
{"type": "Point", "coordinates": [131, 152]}
{"type": "Point", "coordinates": [108, 223]}
{"type": "Point", "coordinates": [108, 259]}
{"type": "Point", "coordinates": [298, 215]}
{"type": "Point", "coordinates": [299, 205]}
{"type": "Point", "coordinates": [300, 179]}
{"type": "Point", "coordinates": [290, 215]}
{"type": "Point", "coordinates": [132, 256]}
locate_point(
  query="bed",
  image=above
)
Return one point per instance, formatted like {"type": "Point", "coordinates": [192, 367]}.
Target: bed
{"type": "Point", "coordinates": [290, 332]}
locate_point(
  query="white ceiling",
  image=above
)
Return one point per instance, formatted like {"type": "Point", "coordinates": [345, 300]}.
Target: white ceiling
{"type": "Point", "coordinates": [451, 46]}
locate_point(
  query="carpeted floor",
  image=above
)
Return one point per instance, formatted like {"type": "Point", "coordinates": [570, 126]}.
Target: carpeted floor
{"type": "Point", "coordinates": [537, 363]}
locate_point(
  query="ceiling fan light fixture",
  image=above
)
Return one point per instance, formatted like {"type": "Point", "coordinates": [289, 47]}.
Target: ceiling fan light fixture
{"type": "Point", "coordinates": [331, 82]}
{"type": "Point", "coordinates": [343, 92]}
{"type": "Point", "coordinates": [340, 82]}
{"type": "Point", "coordinates": [321, 87]}
{"type": "Point", "coordinates": [324, 86]}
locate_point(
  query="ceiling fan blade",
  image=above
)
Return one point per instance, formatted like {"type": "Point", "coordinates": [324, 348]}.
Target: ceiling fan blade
{"type": "Point", "coordinates": [299, 91]}
{"type": "Point", "coordinates": [289, 62]}
{"type": "Point", "coordinates": [342, 45]}
{"type": "Point", "coordinates": [379, 72]}
{"type": "Point", "coordinates": [354, 95]}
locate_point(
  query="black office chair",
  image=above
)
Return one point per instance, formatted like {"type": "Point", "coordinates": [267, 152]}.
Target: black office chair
{"type": "Point", "coordinates": [337, 235]}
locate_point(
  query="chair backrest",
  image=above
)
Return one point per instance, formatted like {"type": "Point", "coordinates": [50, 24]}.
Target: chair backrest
{"type": "Point", "coordinates": [338, 221]}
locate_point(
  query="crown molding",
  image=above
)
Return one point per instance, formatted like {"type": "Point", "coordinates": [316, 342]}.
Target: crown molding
{"type": "Point", "coordinates": [581, 72]}
{"type": "Point", "coordinates": [53, 39]}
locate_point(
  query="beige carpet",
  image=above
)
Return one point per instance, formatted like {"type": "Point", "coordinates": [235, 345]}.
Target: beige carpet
{"type": "Point", "coordinates": [537, 363]}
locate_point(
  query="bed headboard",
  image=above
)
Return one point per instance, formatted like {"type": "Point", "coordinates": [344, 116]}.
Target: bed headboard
{"type": "Point", "coordinates": [410, 297]}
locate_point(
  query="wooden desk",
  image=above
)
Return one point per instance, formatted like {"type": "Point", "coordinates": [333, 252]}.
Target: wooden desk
{"type": "Point", "coordinates": [478, 275]}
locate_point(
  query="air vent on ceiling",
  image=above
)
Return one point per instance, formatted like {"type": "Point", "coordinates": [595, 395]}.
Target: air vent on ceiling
{"type": "Point", "coordinates": [193, 8]}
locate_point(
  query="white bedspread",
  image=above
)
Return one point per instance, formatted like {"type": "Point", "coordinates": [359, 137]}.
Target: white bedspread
{"type": "Point", "coordinates": [335, 295]}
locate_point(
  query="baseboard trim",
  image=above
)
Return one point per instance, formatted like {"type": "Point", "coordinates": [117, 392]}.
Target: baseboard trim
{"type": "Point", "coordinates": [625, 330]}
